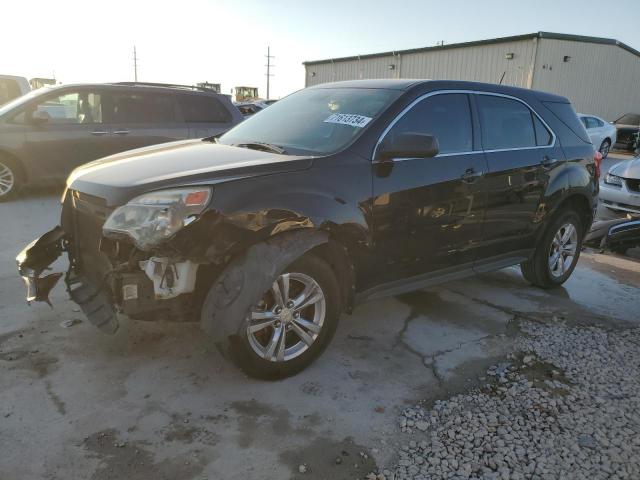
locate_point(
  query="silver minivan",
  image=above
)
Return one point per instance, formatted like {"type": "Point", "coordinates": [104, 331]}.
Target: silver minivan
{"type": "Point", "coordinates": [48, 132]}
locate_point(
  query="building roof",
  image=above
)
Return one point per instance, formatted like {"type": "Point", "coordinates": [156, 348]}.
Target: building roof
{"type": "Point", "coordinates": [549, 35]}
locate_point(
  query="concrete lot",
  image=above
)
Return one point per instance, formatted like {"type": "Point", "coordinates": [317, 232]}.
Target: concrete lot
{"type": "Point", "coordinates": [157, 401]}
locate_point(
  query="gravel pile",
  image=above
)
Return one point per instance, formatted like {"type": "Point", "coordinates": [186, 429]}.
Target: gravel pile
{"type": "Point", "coordinates": [567, 407]}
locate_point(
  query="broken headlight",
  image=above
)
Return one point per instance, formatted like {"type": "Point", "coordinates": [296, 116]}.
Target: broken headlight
{"type": "Point", "coordinates": [153, 217]}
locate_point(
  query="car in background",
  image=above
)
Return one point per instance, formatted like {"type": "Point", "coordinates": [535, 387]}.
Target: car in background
{"type": "Point", "coordinates": [602, 133]}
{"type": "Point", "coordinates": [620, 190]}
{"type": "Point", "coordinates": [12, 87]}
{"type": "Point", "coordinates": [628, 127]}
{"type": "Point", "coordinates": [251, 108]}
{"type": "Point", "coordinates": [50, 131]}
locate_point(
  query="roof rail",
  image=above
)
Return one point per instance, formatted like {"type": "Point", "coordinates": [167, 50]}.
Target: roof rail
{"type": "Point", "coordinates": [166, 85]}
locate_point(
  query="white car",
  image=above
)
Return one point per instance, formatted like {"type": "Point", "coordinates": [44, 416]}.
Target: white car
{"type": "Point", "coordinates": [602, 133]}
{"type": "Point", "coordinates": [12, 87]}
{"type": "Point", "coordinates": [620, 190]}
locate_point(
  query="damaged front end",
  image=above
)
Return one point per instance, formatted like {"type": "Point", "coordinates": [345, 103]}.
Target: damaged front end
{"type": "Point", "coordinates": [111, 270]}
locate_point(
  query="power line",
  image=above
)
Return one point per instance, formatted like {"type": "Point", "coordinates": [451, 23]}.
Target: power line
{"type": "Point", "coordinates": [135, 64]}
{"type": "Point", "coordinates": [269, 67]}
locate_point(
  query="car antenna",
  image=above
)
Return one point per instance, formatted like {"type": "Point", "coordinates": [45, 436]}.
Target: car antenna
{"type": "Point", "coordinates": [502, 77]}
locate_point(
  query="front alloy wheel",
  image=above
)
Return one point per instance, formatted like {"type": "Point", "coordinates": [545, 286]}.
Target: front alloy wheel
{"type": "Point", "coordinates": [288, 319]}
{"type": "Point", "coordinates": [292, 323]}
{"type": "Point", "coordinates": [604, 148]}
{"type": "Point", "coordinates": [8, 180]}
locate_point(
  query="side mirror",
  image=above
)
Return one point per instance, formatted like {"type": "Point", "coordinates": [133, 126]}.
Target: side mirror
{"type": "Point", "coordinates": [40, 117]}
{"type": "Point", "coordinates": [409, 145]}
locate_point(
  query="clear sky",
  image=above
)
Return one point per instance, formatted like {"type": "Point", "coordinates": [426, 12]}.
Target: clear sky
{"type": "Point", "coordinates": [225, 41]}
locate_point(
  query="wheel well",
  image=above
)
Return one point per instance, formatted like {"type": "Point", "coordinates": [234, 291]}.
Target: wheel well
{"type": "Point", "coordinates": [579, 204]}
{"type": "Point", "coordinates": [338, 258]}
{"type": "Point", "coordinates": [21, 170]}
{"type": "Point", "coordinates": [607, 139]}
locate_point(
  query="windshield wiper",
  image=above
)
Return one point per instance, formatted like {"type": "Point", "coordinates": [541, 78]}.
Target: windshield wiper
{"type": "Point", "coordinates": [267, 147]}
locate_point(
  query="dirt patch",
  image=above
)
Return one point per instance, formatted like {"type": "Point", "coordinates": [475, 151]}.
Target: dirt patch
{"type": "Point", "coordinates": [130, 460]}
{"type": "Point", "coordinates": [324, 458]}
{"type": "Point", "coordinates": [179, 431]}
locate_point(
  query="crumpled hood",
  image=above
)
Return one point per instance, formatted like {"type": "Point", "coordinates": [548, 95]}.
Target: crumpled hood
{"type": "Point", "coordinates": [120, 177]}
{"type": "Point", "coordinates": [628, 169]}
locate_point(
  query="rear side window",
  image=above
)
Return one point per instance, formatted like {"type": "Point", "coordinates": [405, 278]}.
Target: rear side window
{"type": "Point", "coordinates": [203, 109]}
{"type": "Point", "coordinates": [508, 124]}
{"type": "Point", "coordinates": [567, 115]}
{"type": "Point", "coordinates": [447, 117]}
{"type": "Point", "coordinates": [143, 107]}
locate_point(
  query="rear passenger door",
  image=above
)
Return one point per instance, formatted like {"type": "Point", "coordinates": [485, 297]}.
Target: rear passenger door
{"type": "Point", "coordinates": [427, 212]}
{"type": "Point", "coordinates": [205, 115]}
{"type": "Point", "coordinates": [141, 118]}
{"type": "Point", "coordinates": [520, 153]}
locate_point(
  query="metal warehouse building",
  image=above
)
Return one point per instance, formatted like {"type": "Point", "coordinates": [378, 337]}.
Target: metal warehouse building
{"type": "Point", "coordinates": [600, 76]}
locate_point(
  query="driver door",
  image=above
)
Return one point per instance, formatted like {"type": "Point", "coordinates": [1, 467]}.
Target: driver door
{"type": "Point", "coordinates": [428, 212]}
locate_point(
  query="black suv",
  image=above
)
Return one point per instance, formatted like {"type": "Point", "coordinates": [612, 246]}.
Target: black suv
{"type": "Point", "coordinates": [47, 133]}
{"type": "Point", "coordinates": [335, 195]}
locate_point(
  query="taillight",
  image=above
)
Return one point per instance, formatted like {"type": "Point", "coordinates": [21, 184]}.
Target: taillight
{"type": "Point", "coordinates": [597, 159]}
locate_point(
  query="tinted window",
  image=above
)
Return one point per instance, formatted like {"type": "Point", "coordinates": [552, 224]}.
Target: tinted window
{"type": "Point", "coordinates": [134, 107]}
{"type": "Point", "coordinates": [584, 121]}
{"type": "Point", "coordinates": [506, 123]}
{"type": "Point", "coordinates": [447, 117]}
{"type": "Point", "coordinates": [599, 123]}
{"type": "Point", "coordinates": [203, 109]}
{"type": "Point", "coordinates": [567, 115]}
{"type": "Point", "coordinates": [314, 120]}
{"type": "Point", "coordinates": [543, 136]}
{"type": "Point", "coordinates": [591, 122]}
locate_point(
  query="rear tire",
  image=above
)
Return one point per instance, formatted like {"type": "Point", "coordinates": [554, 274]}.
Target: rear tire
{"type": "Point", "coordinates": [315, 322]}
{"type": "Point", "coordinates": [605, 147]}
{"type": "Point", "coordinates": [10, 178]}
{"type": "Point", "coordinates": [557, 252]}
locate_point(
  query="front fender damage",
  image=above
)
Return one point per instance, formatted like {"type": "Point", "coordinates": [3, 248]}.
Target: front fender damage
{"type": "Point", "coordinates": [247, 277]}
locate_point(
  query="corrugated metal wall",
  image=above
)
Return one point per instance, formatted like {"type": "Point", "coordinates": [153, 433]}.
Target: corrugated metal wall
{"type": "Point", "coordinates": [599, 79]}
{"type": "Point", "coordinates": [483, 63]}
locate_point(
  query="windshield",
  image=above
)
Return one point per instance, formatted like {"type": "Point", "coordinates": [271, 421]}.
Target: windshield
{"type": "Point", "coordinates": [629, 119]}
{"type": "Point", "coordinates": [21, 100]}
{"type": "Point", "coordinates": [313, 121]}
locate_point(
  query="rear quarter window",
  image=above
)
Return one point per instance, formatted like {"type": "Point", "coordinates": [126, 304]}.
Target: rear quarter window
{"type": "Point", "coordinates": [567, 115]}
{"type": "Point", "coordinates": [203, 109]}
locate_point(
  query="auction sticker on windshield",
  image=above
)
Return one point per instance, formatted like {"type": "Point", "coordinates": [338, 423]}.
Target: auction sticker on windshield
{"type": "Point", "coordinates": [348, 119]}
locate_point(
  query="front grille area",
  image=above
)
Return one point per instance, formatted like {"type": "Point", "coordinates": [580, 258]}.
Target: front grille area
{"type": "Point", "coordinates": [88, 214]}
{"type": "Point", "coordinates": [633, 184]}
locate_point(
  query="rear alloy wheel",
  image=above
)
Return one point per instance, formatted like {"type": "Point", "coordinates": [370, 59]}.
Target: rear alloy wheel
{"type": "Point", "coordinates": [9, 180]}
{"type": "Point", "coordinates": [605, 146]}
{"type": "Point", "coordinates": [557, 252]}
{"type": "Point", "coordinates": [287, 329]}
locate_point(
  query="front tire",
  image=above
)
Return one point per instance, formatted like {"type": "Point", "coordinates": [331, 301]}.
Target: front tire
{"type": "Point", "coordinates": [10, 179]}
{"type": "Point", "coordinates": [293, 322]}
{"type": "Point", "coordinates": [557, 252]}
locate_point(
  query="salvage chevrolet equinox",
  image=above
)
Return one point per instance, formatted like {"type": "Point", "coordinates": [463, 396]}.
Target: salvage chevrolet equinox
{"type": "Point", "coordinates": [335, 195]}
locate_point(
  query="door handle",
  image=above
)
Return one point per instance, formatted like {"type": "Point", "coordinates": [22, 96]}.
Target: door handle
{"type": "Point", "coordinates": [121, 132]}
{"type": "Point", "coordinates": [99, 133]}
{"type": "Point", "coordinates": [470, 175]}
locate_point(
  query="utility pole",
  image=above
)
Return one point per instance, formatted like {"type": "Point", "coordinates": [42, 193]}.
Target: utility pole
{"type": "Point", "coordinates": [269, 67]}
{"type": "Point", "coordinates": [135, 64]}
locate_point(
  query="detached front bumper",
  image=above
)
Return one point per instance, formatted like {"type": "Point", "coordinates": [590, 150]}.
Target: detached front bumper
{"type": "Point", "coordinates": [35, 259]}
{"type": "Point", "coordinates": [38, 256]}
